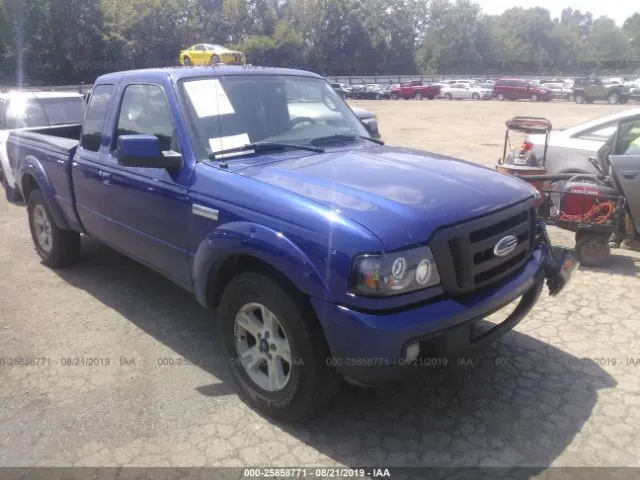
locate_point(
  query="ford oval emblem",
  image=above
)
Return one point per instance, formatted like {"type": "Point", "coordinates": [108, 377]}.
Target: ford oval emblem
{"type": "Point", "coordinates": [505, 246]}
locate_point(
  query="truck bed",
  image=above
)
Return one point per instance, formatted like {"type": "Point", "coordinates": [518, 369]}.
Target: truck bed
{"type": "Point", "coordinates": [60, 137]}
{"type": "Point", "coordinates": [48, 149]}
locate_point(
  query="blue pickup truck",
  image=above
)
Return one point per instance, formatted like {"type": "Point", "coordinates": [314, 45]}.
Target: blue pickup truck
{"type": "Point", "coordinates": [327, 254]}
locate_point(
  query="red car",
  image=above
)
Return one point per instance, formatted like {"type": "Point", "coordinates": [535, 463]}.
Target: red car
{"type": "Point", "coordinates": [513, 89]}
{"type": "Point", "coordinates": [414, 89]}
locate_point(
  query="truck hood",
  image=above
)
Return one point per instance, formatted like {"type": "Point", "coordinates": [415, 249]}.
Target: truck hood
{"type": "Point", "coordinates": [400, 195]}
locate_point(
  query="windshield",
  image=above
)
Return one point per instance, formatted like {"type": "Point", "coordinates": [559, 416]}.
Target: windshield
{"type": "Point", "coordinates": [231, 111]}
{"type": "Point", "coordinates": [43, 112]}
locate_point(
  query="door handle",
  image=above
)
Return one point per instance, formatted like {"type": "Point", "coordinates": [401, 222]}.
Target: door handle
{"type": "Point", "coordinates": [630, 174]}
{"type": "Point", "coordinates": [105, 176]}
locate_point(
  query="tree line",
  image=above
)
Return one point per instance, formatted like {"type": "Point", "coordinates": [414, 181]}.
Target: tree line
{"type": "Point", "coordinates": [49, 42]}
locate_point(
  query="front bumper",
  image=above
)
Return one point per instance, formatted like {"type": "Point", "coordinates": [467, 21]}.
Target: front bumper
{"type": "Point", "coordinates": [370, 348]}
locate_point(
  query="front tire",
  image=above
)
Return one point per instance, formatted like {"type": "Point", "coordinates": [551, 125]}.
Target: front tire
{"type": "Point", "coordinates": [57, 248]}
{"type": "Point", "coordinates": [187, 62]}
{"type": "Point", "coordinates": [215, 60]}
{"type": "Point", "coordinates": [285, 370]}
{"type": "Point", "coordinates": [475, 96]}
{"type": "Point", "coordinates": [418, 96]}
{"type": "Point", "coordinates": [500, 97]}
{"type": "Point", "coordinates": [448, 96]}
{"type": "Point", "coordinates": [534, 98]}
{"type": "Point", "coordinates": [613, 98]}
{"type": "Point", "coordinates": [578, 98]}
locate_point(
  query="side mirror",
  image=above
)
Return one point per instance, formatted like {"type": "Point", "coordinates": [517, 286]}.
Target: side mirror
{"type": "Point", "coordinates": [144, 151]}
{"type": "Point", "coordinates": [371, 124]}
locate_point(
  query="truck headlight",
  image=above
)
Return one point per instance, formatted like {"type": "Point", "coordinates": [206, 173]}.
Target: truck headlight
{"type": "Point", "coordinates": [394, 273]}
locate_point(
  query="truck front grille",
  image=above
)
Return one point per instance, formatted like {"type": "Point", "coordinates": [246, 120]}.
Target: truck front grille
{"type": "Point", "coordinates": [465, 252]}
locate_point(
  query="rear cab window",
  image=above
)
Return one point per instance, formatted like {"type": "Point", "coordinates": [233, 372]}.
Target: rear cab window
{"type": "Point", "coordinates": [96, 116]}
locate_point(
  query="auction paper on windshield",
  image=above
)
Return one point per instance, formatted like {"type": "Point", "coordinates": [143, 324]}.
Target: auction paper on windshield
{"type": "Point", "coordinates": [208, 98]}
{"type": "Point", "coordinates": [233, 141]}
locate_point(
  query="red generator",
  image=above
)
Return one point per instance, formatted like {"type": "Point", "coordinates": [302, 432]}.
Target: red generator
{"type": "Point", "coordinates": [581, 194]}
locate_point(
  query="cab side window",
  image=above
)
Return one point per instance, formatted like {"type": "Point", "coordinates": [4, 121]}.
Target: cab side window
{"type": "Point", "coordinates": [145, 111]}
{"type": "Point", "coordinates": [598, 134]}
{"type": "Point", "coordinates": [628, 138]}
{"type": "Point", "coordinates": [95, 117]}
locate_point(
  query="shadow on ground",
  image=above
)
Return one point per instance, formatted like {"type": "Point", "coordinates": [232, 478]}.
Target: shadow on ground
{"type": "Point", "coordinates": [522, 405]}
{"type": "Point", "coordinates": [619, 264]}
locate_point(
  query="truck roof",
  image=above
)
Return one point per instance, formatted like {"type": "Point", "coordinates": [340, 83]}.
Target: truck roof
{"type": "Point", "coordinates": [180, 72]}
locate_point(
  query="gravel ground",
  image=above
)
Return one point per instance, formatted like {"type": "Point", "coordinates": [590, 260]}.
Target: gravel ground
{"type": "Point", "coordinates": [562, 389]}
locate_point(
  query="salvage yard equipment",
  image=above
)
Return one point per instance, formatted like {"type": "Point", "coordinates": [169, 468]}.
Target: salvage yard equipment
{"type": "Point", "coordinates": [523, 161]}
{"type": "Point", "coordinates": [592, 206]}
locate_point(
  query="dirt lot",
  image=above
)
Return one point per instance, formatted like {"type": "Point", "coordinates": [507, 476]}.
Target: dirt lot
{"type": "Point", "coordinates": [562, 389]}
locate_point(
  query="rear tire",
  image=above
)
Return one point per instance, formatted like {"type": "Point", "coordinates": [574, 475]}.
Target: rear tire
{"type": "Point", "coordinates": [475, 96]}
{"type": "Point", "coordinates": [58, 248]}
{"type": "Point", "coordinates": [309, 383]}
{"type": "Point", "coordinates": [418, 96]}
{"type": "Point", "coordinates": [394, 96]}
{"type": "Point", "coordinates": [500, 97]}
{"type": "Point", "coordinates": [448, 96]}
{"type": "Point", "coordinates": [613, 98]}
{"type": "Point", "coordinates": [534, 98]}
{"type": "Point", "coordinates": [187, 62]}
{"type": "Point", "coordinates": [579, 98]}
{"type": "Point", "coordinates": [215, 60]}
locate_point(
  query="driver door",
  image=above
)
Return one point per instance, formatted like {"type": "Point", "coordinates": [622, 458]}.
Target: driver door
{"type": "Point", "coordinates": [626, 167]}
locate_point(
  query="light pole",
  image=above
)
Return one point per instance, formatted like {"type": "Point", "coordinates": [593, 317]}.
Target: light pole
{"type": "Point", "coordinates": [19, 29]}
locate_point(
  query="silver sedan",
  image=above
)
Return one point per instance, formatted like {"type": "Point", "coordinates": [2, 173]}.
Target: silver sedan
{"type": "Point", "coordinates": [570, 148]}
{"type": "Point", "coordinates": [460, 91]}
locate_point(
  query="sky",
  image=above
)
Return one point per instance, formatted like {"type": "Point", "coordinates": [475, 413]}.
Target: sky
{"type": "Point", "coordinates": [618, 10]}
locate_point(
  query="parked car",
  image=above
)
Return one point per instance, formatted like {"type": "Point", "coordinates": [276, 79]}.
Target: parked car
{"type": "Point", "coordinates": [590, 89]}
{"type": "Point", "coordinates": [460, 91]}
{"type": "Point", "coordinates": [328, 255]}
{"type": "Point", "coordinates": [559, 90]}
{"type": "Point", "coordinates": [356, 89]}
{"type": "Point", "coordinates": [514, 89]}
{"type": "Point", "coordinates": [570, 148]}
{"type": "Point", "coordinates": [343, 90]}
{"type": "Point", "coordinates": [374, 92]}
{"type": "Point", "coordinates": [26, 110]}
{"type": "Point", "coordinates": [210, 54]}
{"type": "Point", "coordinates": [414, 89]}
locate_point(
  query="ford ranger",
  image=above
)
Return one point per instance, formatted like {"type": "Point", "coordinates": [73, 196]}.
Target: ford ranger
{"type": "Point", "coordinates": [327, 254]}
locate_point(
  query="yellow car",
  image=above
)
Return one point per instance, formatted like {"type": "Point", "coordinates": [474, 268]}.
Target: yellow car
{"type": "Point", "coordinates": [208, 54]}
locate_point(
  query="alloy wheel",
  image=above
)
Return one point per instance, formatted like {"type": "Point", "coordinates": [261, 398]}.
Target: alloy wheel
{"type": "Point", "coordinates": [263, 347]}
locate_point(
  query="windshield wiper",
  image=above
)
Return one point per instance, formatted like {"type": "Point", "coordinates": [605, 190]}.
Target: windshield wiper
{"type": "Point", "coordinates": [262, 147]}
{"type": "Point", "coordinates": [340, 137]}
